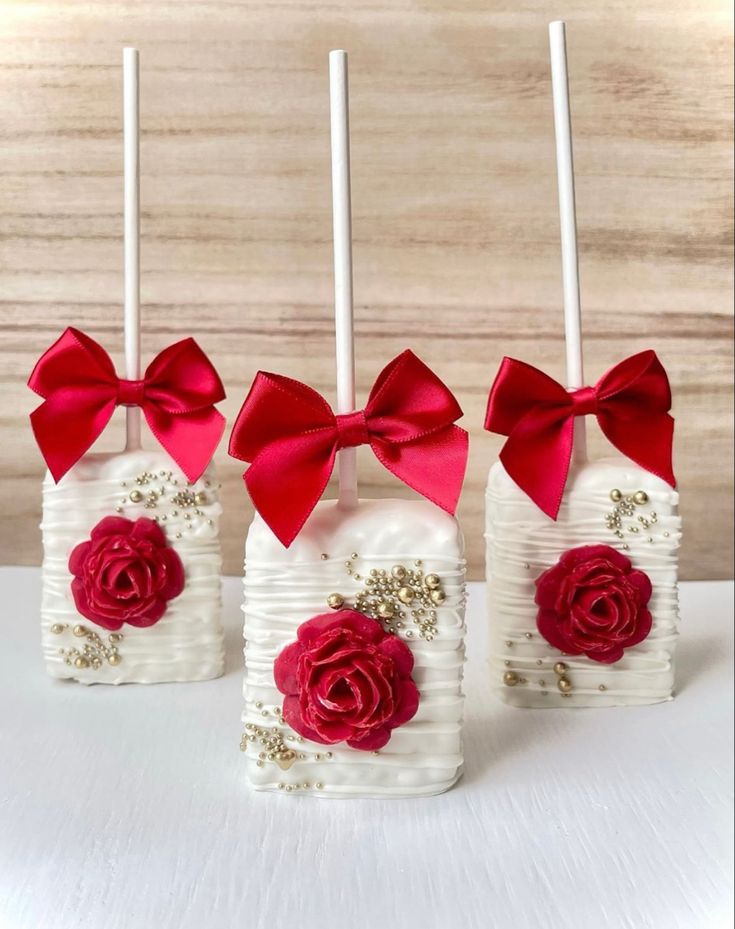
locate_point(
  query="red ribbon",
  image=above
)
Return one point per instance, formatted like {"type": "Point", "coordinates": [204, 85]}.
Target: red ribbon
{"type": "Point", "coordinates": [291, 437]}
{"type": "Point", "coordinates": [80, 388]}
{"type": "Point", "coordinates": [631, 403]}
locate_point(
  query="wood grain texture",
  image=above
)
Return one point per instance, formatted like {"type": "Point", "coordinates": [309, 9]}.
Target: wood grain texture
{"type": "Point", "coordinates": [129, 807]}
{"type": "Point", "coordinates": [454, 199]}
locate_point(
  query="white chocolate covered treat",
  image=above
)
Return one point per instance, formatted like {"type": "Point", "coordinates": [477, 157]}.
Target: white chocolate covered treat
{"type": "Point", "coordinates": [336, 561]}
{"type": "Point", "coordinates": [186, 643]}
{"type": "Point", "coordinates": [609, 502]}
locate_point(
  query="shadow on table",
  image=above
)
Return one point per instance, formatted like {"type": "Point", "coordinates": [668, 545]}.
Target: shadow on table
{"type": "Point", "coordinates": [696, 657]}
{"type": "Point", "coordinates": [501, 733]}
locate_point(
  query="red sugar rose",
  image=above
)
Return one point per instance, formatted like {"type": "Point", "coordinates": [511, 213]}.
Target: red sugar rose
{"type": "Point", "coordinates": [594, 603]}
{"type": "Point", "coordinates": [346, 680]}
{"type": "Point", "coordinates": [125, 573]}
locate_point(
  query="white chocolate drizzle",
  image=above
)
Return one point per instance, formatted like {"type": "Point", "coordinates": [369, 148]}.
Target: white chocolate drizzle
{"type": "Point", "coordinates": [286, 587]}
{"type": "Point", "coordinates": [522, 542]}
{"type": "Point", "coordinates": [187, 643]}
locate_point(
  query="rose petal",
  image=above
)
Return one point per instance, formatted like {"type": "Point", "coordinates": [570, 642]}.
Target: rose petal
{"type": "Point", "coordinates": [111, 526]}
{"type": "Point", "coordinates": [400, 654]}
{"type": "Point", "coordinates": [371, 740]}
{"type": "Point", "coordinates": [175, 574]}
{"type": "Point", "coordinates": [292, 715]}
{"type": "Point", "coordinates": [78, 557]}
{"type": "Point", "coordinates": [548, 625]}
{"type": "Point", "coordinates": [407, 703]}
{"type": "Point", "coordinates": [151, 614]}
{"type": "Point", "coordinates": [285, 668]}
{"type": "Point", "coordinates": [147, 529]}
{"type": "Point", "coordinates": [642, 582]}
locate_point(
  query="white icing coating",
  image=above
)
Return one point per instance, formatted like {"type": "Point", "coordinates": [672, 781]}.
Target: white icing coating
{"type": "Point", "coordinates": [187, 643]}
{"type": "Point", "coordinates": [285, 587]}
{"type": "Point", "coordinates": [522, 542]}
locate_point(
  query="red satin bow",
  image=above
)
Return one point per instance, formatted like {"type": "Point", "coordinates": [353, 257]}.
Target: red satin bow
{"type": "Point", "coordinates": [291, 437]}
{"type": "Point", "coordinates": [80, 388]}
{"type": "Point", "coordinates": [631, 403]}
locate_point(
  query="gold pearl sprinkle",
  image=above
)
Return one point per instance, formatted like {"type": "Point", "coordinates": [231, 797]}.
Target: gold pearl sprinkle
{"type": "Point", "coordinates": [398, 572]}
{"type": "Point", "coordinates": [602, 687]}
{"type": "Point", "coordinates": [509, 643]}
{"type": "Point", "coordinates": [335, 601]}
{"type": "Point", "coordinates": [560, 667]}
{"type": "Point", "coordinates": [432, 581]}
{"type": "Point", "coordinates": [135, 496]}
{"type": "Point", "coordinates": [564, 685]}
{"type": "Point", "coordinates": [510, 678]}
{"type": "Point", "coordinates": [354, 556]}
{"type": "Point", "coordinates": [616, 496]}
{"type": "Point", "coordinates": [640, 498]}
{"type": "Point", "coordinates": [529, 635]}
{"type": "Point", "coordinates": [57, 628]}
{"type": "Point", "coordinates": [114, 659]}
{"type": "Point", "coordinates": [79, 631]}
{"type": "Point", "coordinates": [405, 595]}
{"type": "Point", "coordinates": [81, 662]}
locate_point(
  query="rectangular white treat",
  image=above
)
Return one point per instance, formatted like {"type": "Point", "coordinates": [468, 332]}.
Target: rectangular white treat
{"type": "Point", "coordinates": [522, 542]}
{"type": "Point", "coordinates": [187, 643]}
{"type": "Point", "coordinates": [335, 552]}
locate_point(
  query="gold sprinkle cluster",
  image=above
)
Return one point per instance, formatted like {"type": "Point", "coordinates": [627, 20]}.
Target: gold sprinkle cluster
{"type": "Point", "coordinates": [94, 651]}
{"type": "Point", "coordinates": [625, 508]}
{"type": "Point", "coordinates": [273, 745]}
{"type": "Point", "coordinates": [274, 748]}
{"type": "Point", "coordinates": [161, 490]}
{"type": "Point", "coordinates": [397, 598]}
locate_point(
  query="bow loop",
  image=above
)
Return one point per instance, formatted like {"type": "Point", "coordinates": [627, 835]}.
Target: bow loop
{"type": "Point", "coordinates": [181, 379]}
{"type": "Point", "coordinates": [631, 402]}
{"type": "Point", "coordinates": [408, 401]}
{"type": "Point", "coordinates": [290, 436]}
{"type": "Point", "coordinates": [80, 389]}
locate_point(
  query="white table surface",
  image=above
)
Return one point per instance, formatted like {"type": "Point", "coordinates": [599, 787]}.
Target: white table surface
{"type": "Point", "coordinates": [128, 808]}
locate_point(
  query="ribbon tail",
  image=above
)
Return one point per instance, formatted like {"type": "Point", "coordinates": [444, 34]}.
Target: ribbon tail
{"type": "Point", "coordinates": [66, 428]}
{"type": "Point", "coordinates": [648, 441]}
{"type": "Point", "coordinates": [433, 465]}
{"type": "Point", "coordinates": [538, 460]}
{"type": "Point", "coordinates": [288, 477]}
{"type": "Point", "coordinates": [190, 438]}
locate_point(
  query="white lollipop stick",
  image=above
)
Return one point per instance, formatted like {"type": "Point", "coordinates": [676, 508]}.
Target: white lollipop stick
{"type": "Point", "coordinates": [131, 149]}
{"type": "Point", "coordinates": [342, 226]}
{"type": "Point", "coordinates": [567, 219]}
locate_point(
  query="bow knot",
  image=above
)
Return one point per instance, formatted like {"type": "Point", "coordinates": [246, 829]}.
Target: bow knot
{"type": "Point", "coordinates": [290, 436]}
{"type": "Point", "coordinates": [631, 403]}
{"type": "Point", "coordinates": [130, 393]}
{"type": "Point", "coordinates": [80, 388]}
{"type": "Point", "coordinates": [352, 429]}
{"type": "Point", "coordinates": [584, 401]}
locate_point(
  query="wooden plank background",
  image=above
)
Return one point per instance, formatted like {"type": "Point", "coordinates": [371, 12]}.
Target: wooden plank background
{"type": "Point", "coordinates": [455, 222]}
